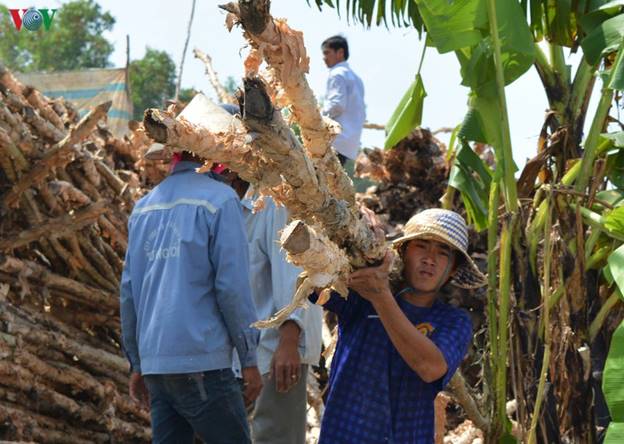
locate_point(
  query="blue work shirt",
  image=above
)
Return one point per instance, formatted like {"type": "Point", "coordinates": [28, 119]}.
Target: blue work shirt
{"type": "Point", "coordinates": [185, 291]}
{"type": "Point", "coordinates": [374, 397]}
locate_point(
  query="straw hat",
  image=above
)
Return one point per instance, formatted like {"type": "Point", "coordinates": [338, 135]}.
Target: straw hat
{"type": "Point", "coordinates": [203, 112]}
{"type": "Point", "coordinates": [449, 228]}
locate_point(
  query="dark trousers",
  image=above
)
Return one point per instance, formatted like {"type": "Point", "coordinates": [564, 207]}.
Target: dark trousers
{"type": "Point", "coordinates": [209, 404]}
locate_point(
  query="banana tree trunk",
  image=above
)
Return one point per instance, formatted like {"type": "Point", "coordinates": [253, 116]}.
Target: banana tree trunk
{"type": "Point", "coordinates": [284, 51]}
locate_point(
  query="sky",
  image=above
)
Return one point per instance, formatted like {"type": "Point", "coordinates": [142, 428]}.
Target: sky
{"type": "Point", "coordinates": [385, 59]}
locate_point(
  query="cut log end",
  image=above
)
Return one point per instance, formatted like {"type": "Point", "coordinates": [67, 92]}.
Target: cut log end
{"type": "Point", "coordinates": [255, 15]}
{"type": "Point", "coordinates": [154, 126]}
{"type": "Point", "coordinates": [256, 102]}
{"type": "Point", "coordinates": [231, 8]}
{"type": "Point", "coordinates": [296, 238]}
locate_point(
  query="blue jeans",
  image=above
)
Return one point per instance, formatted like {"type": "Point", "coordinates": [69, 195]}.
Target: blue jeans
{"type": "Point", "coordinates": [209, 404]}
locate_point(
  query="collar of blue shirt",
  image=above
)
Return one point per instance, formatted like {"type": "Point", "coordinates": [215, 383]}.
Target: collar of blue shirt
{"type": "Point", "coordinates": [185, 165]}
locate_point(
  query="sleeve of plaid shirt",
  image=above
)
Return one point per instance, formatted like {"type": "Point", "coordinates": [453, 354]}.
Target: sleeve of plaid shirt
{"type": "Point", "coordinates": [344, 308]}
{"type": "Point", "coordinates": [452, 339]}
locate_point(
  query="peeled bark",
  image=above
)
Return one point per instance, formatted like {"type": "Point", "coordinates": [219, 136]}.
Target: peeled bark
{"type": "Point", "coordinates": [287, 174]}
{"type": "Point", "coordinates": [326, 266]}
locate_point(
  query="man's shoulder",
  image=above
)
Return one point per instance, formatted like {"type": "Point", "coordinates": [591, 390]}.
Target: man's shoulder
{"type": "Point", "coordinates": [194, 186]}
{"type": "Point", "coordinates": [340, 71]}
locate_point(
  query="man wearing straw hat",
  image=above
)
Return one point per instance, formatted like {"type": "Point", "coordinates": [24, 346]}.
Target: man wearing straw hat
{"type": "Point", "coordinates": [398, 345]}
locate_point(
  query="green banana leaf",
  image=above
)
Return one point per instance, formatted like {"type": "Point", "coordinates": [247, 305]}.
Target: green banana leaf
{"type": "Point", "coordinates": [617, 138]}
{"type": "Point", "coordinates": [615, 433]}
{"type": "Point", "coordinates": [453, 25]}
{"type": "Point", "coordinates": [407, 115]}
{"type": "Point", "coordinates": [613, 374]}
{"type": "Point", "coordinates": [482, 122]}
{"type": "Point", "coordinates": [472, 177]}
{"type": "Point", "coordinates": [613, 385]}
{"type": "Point", "coordinates": [614, 271]}
{"type": "Point", "coordinates": [560, 23]}
{"type": "Point", "coordinates": [615, 169]}
{"type": "Point", "coordinates": [603, 39]}
{"type": "Point", "coordinates": [617, 76]}
{"type": "Point", "coordinates": [614, 221]}
{"type": "Point", "coordinates": [367, 12]}
{"type": "Point", "coordinates": [602, 12]}
{"type": "Point", "coordinates": [613, 197]}
{"type": "Point", "coordinates": [463, 25]}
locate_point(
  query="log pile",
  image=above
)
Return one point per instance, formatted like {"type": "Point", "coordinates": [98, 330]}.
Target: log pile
{"type": "Point", "coordinates": [66, 189]}
{"type": "Point", "coordinates": [410, 177]}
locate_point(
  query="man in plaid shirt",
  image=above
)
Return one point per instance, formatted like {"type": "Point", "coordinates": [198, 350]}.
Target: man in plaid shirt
{"type": "Point", "coordinates": [395, 352]}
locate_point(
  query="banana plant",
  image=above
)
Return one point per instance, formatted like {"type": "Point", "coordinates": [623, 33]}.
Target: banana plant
{"type": "Point", "coordinates": [560, 224]}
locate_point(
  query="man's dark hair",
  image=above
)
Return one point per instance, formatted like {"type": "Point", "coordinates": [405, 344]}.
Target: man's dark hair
{"type": "Point", "coordinates": [337, 42]}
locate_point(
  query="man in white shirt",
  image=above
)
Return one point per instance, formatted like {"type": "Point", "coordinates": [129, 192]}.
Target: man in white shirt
{"type": "Point", "coordinates": [344, 97]}
{"type": "Point", "coordinates": [285, 353]}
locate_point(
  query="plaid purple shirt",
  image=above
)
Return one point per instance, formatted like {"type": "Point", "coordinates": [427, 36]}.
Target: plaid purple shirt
{"type": "Point", "coordinates": [374, 397]}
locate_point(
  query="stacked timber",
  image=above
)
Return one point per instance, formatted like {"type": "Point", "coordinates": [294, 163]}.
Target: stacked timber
{"type": "Point", "coordinates": [67, 187]}
{"type": "Point", "coordinates": [410, 177]}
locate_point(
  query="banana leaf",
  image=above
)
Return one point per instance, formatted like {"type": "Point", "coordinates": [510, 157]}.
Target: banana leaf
{"type": "Point", "coordinates": [617, 76]}
{"type": "Point", "coordinates": [614, 271]}
{"type": "Point", "coordinates": [472, 177]}
{"type": "Point", "coordinates": [615, 169]}
{"type": "Point", "coordinates": [614, 221]}
{"type": "Point", "coordinates": [453, 25]}
{"type": "Point", "coordinates": [367, 12]}
{"type": "Point", "coordinates": [560, 23]}
{"type": "Point", "coordinates": [617, 138]}
{"type": "Point", "coordinates": [615, 433]}
{"type": "Point", "coordinates": [603, 39]}
{"type": "Point", "coordinates": [613, 197]}
{"type": "Point", "coordinates": [599, 14]}
{"type": "Point", "coordinates": [613, 381]}
{"type": "Point", "coordinates": [407, 115]}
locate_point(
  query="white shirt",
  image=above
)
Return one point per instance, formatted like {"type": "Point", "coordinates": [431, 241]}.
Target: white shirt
{"type": "Point", "coordinates": [344, 102]}
{"type": "Point", "coordinates": [273, 284]}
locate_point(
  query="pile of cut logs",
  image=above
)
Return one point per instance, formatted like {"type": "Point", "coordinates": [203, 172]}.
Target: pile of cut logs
{"type": "Point", "coordinates": [410, 177]}
{"type": "Point", "coordinates": [66, 189]}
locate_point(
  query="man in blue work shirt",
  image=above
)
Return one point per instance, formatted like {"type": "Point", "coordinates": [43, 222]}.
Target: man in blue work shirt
{"type": "Point", "coordinates": [185, 302]}
{"type": "Point", "coordinates": [398, 345]}
{"type": "Point", "coordinates": [344, 98]}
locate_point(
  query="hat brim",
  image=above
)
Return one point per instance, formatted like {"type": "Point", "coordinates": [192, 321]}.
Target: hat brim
{"type": "Point", "coordinates": [467, 275]}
